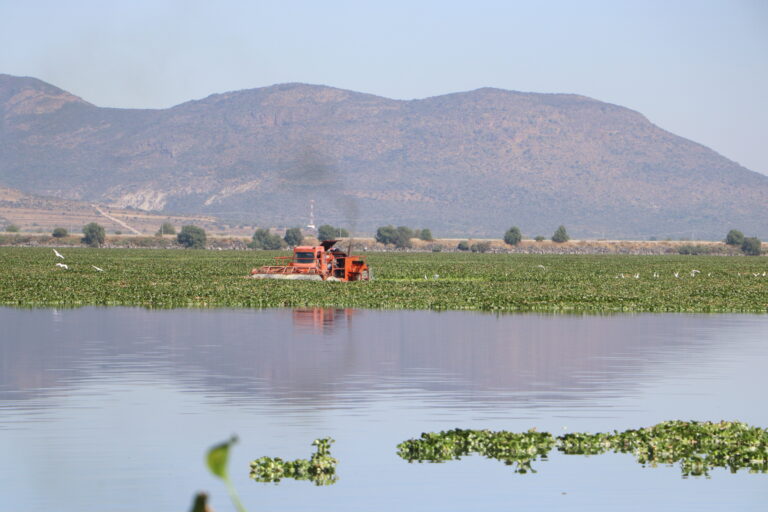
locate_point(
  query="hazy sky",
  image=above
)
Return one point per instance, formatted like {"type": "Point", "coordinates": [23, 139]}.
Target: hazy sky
{"type": "Point", "coordinates": [696, 68]}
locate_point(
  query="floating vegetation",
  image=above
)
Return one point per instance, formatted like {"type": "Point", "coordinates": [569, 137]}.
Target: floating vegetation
{"type": "Point", "coordinates": [320, 468]}
{"type": "Point", "coordinates": [481, 282]}
{"type": "Point", "coordinates": [697, 446]}
{"type": "Point", "coordinates": [514, 449]}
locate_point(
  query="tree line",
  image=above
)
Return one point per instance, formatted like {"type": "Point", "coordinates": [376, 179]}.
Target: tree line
{"type": "Point", "coordinates": [400, 237]}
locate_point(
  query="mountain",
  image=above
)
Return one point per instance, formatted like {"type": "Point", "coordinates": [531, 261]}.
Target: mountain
{"type": "Point", "coordinates": [471, 163]}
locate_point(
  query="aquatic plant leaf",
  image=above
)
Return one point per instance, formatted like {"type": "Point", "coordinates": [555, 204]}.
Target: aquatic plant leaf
{"type": "Point", "coordinates": [218, 457]}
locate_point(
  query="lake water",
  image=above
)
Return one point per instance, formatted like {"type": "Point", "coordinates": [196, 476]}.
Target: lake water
{"type": "Point", "coordinates": [113, 409]}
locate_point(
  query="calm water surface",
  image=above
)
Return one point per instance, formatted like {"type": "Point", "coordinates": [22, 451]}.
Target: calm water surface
{"type": "Point", "coordinates": [112, 409]}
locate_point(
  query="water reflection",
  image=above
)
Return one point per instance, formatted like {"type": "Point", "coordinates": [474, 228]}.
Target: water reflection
{"type": "Point", "coordinates": [322, 320]}
{"type": "Point", "coordinates": [327, 356]}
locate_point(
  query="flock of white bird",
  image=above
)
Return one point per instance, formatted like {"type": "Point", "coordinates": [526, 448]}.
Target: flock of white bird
{"type": "Point", "coordinates": [678, 274]}
{"type": "Point", "coordinates": [66, 267]}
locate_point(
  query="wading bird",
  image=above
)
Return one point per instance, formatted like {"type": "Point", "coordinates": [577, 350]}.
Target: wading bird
{"type": "Point", "coordinates": [97, 268]}
{"type": "Point", "coordinates": [58, 254]}
{"type": "Point", "coordinates": [62, 265]}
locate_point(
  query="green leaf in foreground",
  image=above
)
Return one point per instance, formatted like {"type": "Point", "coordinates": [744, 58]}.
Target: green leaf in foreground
{"type": "Point", "coordinates": [217, 459]}
{"type": "Point", "coordinates": [218, 456]}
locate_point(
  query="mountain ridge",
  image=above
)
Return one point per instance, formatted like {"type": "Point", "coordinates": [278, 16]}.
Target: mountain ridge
{"type": "Point", "coordinates": [473, 162]}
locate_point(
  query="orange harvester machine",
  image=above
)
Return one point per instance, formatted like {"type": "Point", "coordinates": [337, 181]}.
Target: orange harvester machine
{"type": "Point", "coordinates": [316, 263]}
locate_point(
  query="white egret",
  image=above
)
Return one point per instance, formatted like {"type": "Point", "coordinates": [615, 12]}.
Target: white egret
{"type": "Point", "coordinates": [97, 268]}
{"type": "Point", "coordinates": [62, 265]}
{"type": "Point", "coordinates": [58, 254]}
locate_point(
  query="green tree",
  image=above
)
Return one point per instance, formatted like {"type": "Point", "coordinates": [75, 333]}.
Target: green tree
{"type": "Point", "coordinates": [12, 228]}
{"type": "Point", "coordinates": [191, 237]}
{"type": "Point", "coordinates": [400, 236]}
{"type": "Point", "coordinates": [263, 239]}
{"type": "Point", "coordinates": [328, 232]}
{"type": "Point", "coordinates": [752, 246]}
{"type": "Point", "coordinates": [539, 238]}
{"type": "Point", "coordinates": [561, 235]}
{"type": "Point", "coordinates": [94, 234]}
{"type": "Point", "coordinates": [386, 235]}
{"type": "Point", "coordinates": [513, 236]}
{"type": "Point", "coordinates": [481, 247]}
{"type": "Point", "coordinates": [293, 237]}
{"type": "Point", "coordinates": [166, 229]}
{"type": "Point", "coordinates": [59, 233]}
{"type": "Point", "coordinates": [404, 235]}
{"type": "Point", "coordinates": [463, 246]}
{"type": "Point", "coordinates": [734, 237]}
{"type": "Point", "coordinates": [425, 234]}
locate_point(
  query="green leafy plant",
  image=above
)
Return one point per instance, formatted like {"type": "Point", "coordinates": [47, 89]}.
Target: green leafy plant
{"type": "Point", "coordinates": [734, 237]}
{"type": "Point", "coordinates": [697, 446]}
{"type": "Point", "coordinates": [319, 469]}
{"type": "Point", "coordinates": [752, 246]}
{"type": "Point", "coordinates": [293, 237]}
{"type": "Point", "coordinates": [217, 460]}
{"type": "Point", "coordinates": [328, 232]}
{"type": "Point", "coordinates": [59, 233]}
{"type": "Point", "coordinates": [513, 236]}
{"type": "Point", "coordinates": [264, 240]}
{"type": "Point", "coordinates": [514, 449]}
{"type": "Point", "coordinates": [192, 237]}
{"type": "Point", "coordinates": [400, 236]}
{"type": "Point", "coordinates": [93, 234]}
{"type": "Point", "coordinates": [561, 235]}
{"type": "Point", "coordinates": [479, 282]}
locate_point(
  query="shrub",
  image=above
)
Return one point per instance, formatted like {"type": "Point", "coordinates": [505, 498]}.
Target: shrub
{"type": "Point", "coordinates": [513, 236]}
{"type": "Point", "coordinates": [540, 238]}
{"type": "Point", "coordinates": [293, 237]}
{"type": "Point", "coordinates": [263, 239]}
{"type": "Point", "coordinates": [463, 246]}
{"type": "Point", "coordinates": [695, 249]}
{"type": "Point", "coordinates": [386, 235]}
{"type": "Point", "coordinates": [12, 228]}
{"type": "Point", "coordinates": [734, 237]}
{"type": "Point", "coordinates": [425, 234]}
{"type": "Point", "coordinates": [192, 237]}
{"type": "Point", "coordinates": [481, 247]}
{"type": "Point", "coordinates": [561, 235]}
{"type": "Point", "coordinates": [751, 246]}
{"type": "Point", "coordinates": [328, 232]}
{"type": "Point", "coordinates": [166, 229]}
{"type": "Point", "coordinates": [94, 234]}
